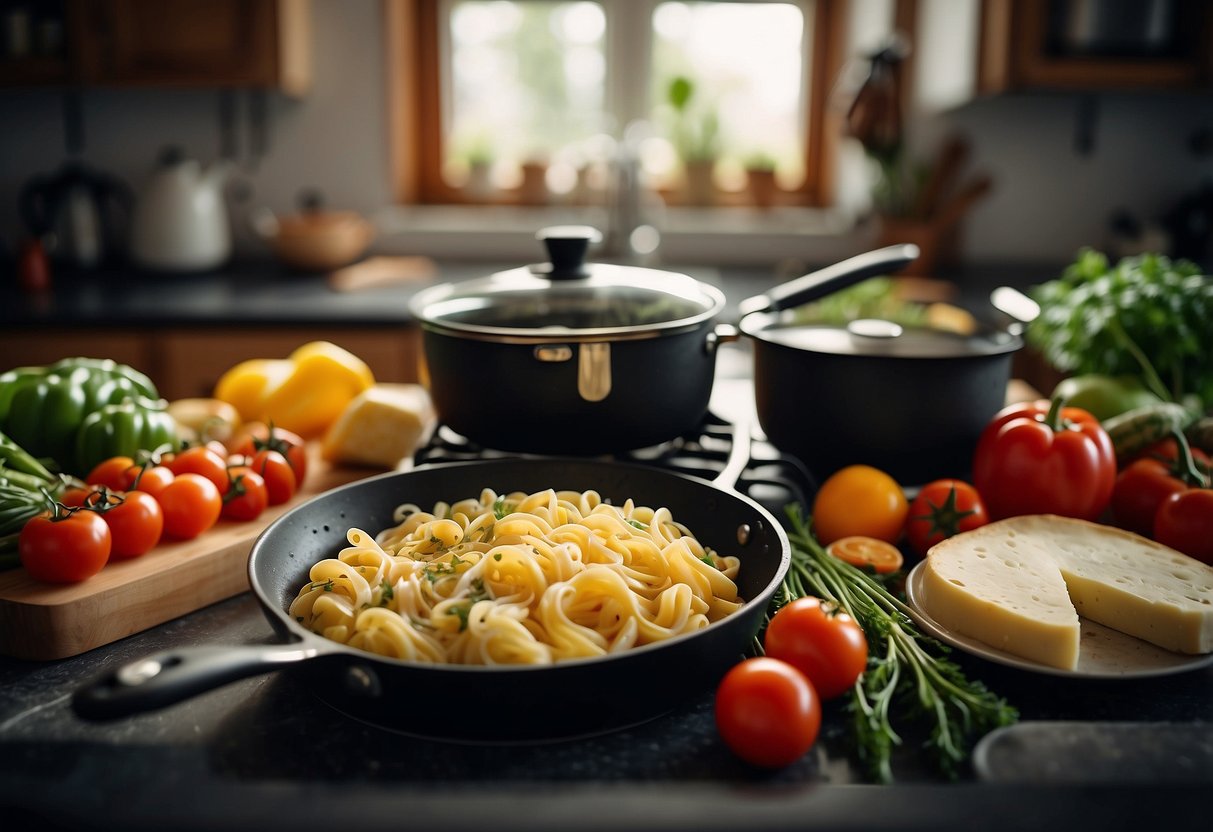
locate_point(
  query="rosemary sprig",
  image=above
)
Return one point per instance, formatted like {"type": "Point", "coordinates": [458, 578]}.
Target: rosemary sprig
{"type": "Point", "coordinates": [908, 674]}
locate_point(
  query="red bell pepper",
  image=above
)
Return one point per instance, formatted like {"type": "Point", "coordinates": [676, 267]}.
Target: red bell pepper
{"type": "Point", "coordinates": [1043, 458]}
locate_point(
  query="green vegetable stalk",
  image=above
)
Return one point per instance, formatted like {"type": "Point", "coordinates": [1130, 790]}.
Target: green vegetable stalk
{"type": "Point", "coordinates": [1147, 317]}
{"type": "Point", "coordinates": [906, 676]}
{"type": "Point", "coordinates": [26, 488]}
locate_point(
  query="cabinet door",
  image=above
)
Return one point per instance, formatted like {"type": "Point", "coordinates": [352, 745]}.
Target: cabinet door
{"type": "Point", "coordinates": [194, 42]}
{"type": "Point", "coordinates": [46, 346]}
{"type": "Point", "coordinates": [1071, 45]}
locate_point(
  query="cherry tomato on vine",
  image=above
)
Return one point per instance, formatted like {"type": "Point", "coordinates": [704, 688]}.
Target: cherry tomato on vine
{"type": "Point", "coordinates": [767, 712]}
{"type": "Point", "coordinates": [822, 642]}
{"type": "Point", "coordinates": [1185, 523]}
{"type": "Point", "coordinates": [75, 497]}
{"type": "Point", "coordinates": [279, 476]}
{"type": "Point", "coordinates": [255, 436]}
{"type": "Point", "coordinates": [135, 521]}
{"type": "Point", "coordinates": [203, 461]}
{"type": "Point", "coordinates": [112, 473]}
{"type": "Point", "coordinates": [859, 500]}
{"type": "Point", "coordinates": [64, 546]}
{"type": "Point", "coordinates": [246, 496]}
{"type": "Point", "coordinates": [943, 509]}
{"type": "Point", "coordinates": [150, 479]}
{"type": "Point", "coordinates": [191, 505]}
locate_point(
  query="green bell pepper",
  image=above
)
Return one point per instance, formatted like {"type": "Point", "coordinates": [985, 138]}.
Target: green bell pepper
{"type": "Point", "coordinates": [123, 430]}
{"type": "Point", "coordinates": [1105, 396]}
{"type": "Point", "coordinates": [42, 408]}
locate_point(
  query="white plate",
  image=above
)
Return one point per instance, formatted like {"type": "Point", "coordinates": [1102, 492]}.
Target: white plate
{"type": "Point", "coordinates": [1103, 653]}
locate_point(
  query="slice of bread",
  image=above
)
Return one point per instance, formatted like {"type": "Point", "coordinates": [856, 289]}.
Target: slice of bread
{"type": "Point", "coordinates": [1020, 584]}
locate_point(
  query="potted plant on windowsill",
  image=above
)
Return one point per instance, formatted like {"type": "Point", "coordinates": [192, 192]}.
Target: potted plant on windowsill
{"type": "Point", "coordinates": [760, 178]}
{"type": "Point", "coordinates": [696, 138]}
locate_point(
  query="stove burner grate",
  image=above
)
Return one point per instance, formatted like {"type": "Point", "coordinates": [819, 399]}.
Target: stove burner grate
{"type": "Point", "coordinates": [771, 478]}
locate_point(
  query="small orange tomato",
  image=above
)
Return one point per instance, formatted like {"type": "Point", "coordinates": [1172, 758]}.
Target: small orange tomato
{"type": "Point", "coordinates": [867, 552]}
{"type": "Point", "coordinates": [859, 500]}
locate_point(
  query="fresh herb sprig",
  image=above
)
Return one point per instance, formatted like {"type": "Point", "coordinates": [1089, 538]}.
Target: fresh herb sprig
{"type": "Point", "coordinates": [907, 676]}
{"type": "Point", "coordinates": [1146, 316]}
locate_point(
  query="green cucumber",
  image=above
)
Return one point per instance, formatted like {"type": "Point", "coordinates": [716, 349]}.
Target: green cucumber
{"type": "Point", "coordinates": [1134, 431]}
{"type": "Point", "coordinates": [1200, 434]}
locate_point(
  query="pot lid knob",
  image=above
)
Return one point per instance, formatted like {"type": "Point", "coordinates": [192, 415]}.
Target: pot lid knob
{"type": "Point", "coordinates": [567, 246]}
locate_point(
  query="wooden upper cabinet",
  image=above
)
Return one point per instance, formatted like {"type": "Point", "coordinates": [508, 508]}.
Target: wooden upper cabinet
{"type": "Point", "coordinates": [1095, 45]}
{"type": "Point", "coordinates": [177, 43]}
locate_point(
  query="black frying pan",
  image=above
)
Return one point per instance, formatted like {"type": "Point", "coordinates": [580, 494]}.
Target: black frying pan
{"type": "Point", "coordinates": [464, 702]}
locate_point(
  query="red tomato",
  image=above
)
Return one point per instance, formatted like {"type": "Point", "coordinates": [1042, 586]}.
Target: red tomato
{"type": "Point", "coordinates": [255, 436]}
{"type": "Point", "coordinates": [74, 497]}
{"type": "Point", "coordinates": [943, 509]}
{"type": "Point", "coordinates": [1168, 450]}
{"type": "Point", "coordinates": [825, 644]}
{"type": "Point", "coordinates": [203, 461]}
{"type": "Point", "coordinates": [246, 496]}
{"type": "Point", "coordinates": [279, 476]}
{"type": "Point", "coordinates": [150, 479]}
{"type": "Point", "coordinates": [112, 473]}
{"type": "Point", "coordinates": [1139, 491]}
{"type": "Point", "coordinates": [1185, 522]}
{"type": "Point", "coordinates": [1041, 458]}
{"type": "Point", "coordinates": [191, 505]}
{"type": "Point", "coordinates": [64, 547]}
{"type": "Point", "coordinates": [135, 520]}
{"type": "Point", "coordinates": [767, 712]}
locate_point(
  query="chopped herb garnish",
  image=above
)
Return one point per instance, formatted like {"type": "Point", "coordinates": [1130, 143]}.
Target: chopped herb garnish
{"type": "Point", "coordinates": [501, 508]}
{"type": "Point", "coordinates": [497, 556]}
{"type": "Point", "coordinates": [463, 609]}
{"type": "Point", "coordinates": [637, 524]}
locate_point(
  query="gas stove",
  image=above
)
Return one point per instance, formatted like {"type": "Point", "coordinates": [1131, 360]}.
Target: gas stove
{"type": "Point", "coordinates": [771, 478]}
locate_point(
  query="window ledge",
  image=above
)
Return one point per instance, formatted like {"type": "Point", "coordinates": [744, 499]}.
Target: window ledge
{"type": "Point", "coordinates": [734, 235]}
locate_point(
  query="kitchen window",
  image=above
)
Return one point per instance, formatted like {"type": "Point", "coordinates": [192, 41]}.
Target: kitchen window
{"type": "Point", "coordinates": [537, 102]}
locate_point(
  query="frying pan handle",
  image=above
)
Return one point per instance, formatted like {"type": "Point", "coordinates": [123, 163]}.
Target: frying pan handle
{"type": "Point", "coordinates": [833, 278]}
{"type": "Point", "coordinates": [172, 676]}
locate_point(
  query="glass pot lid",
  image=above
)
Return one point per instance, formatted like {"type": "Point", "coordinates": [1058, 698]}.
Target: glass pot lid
{"type": "Point", "coordinates": [876, 337]}
{"type": "Point", "coordinates": [568, 298]}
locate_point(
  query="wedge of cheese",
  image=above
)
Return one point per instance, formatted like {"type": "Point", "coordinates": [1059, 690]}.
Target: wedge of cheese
{"type": "Point", "coordinates": [382, 425]}
{"type": "Point", "coordinates": [1019, 585]}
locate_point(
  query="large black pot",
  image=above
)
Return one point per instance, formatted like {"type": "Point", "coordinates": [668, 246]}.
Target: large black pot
{"type": "Point", "coordinates": [567, 357]}
{"type": "Point", "coordinates": [475, 703]}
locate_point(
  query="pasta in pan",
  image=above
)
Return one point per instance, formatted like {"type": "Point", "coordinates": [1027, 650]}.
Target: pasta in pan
{"type": "Point", "coordinates": [518, 579]}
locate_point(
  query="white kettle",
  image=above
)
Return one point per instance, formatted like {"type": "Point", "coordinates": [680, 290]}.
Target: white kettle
{"type": "Point", "coordinates": [180, 221]}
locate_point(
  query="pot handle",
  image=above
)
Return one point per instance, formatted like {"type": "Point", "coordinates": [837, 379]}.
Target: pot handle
{"type": "Point", "coordinates": [831, 279]}
{"type": "Point", "coordinates": [172, 676]}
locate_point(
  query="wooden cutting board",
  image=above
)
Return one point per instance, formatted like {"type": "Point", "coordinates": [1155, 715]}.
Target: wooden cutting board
{"type": "Point", "coordinates": [41, 622]}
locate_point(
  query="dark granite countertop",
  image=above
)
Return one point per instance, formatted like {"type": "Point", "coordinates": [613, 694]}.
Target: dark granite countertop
{"type": "Point", "coordinates": [265, 294]}
{"type": "Point", "coordinates": [264, 753]}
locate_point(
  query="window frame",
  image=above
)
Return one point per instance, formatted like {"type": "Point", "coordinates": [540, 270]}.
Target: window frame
{"type": "Point", "coordinates": [415, 50]}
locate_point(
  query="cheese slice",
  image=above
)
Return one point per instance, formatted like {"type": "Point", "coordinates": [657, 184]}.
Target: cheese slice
{"type": "Point", "coordinates": [1004, 590]}
{"type": "Point", "coordinates": [1020, 584]}
{"type": "Point", "coordinates": [382, 425]}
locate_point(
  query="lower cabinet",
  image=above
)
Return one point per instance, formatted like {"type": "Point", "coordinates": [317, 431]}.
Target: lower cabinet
{"type": "Point", "coordinates": [187, 362]}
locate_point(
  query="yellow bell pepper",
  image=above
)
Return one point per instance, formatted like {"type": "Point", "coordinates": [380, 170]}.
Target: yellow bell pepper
{"type": "Point", "coordinates": [304, 393]}
{"type": "Point", "coordinates": [245, 385]}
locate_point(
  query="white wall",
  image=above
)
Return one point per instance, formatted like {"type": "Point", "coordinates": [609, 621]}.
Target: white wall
{"type": "Point", "coordinates": [1048, 201]}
